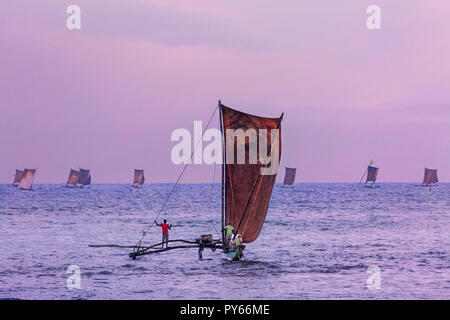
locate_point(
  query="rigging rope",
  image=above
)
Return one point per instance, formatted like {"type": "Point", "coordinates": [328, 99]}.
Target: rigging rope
{"type": "Point", "coordinates": [210, 198]}
{"type": "Point", "coordinates": [144, 233]}
{"type": "Point", "coordinates": [364, 174]}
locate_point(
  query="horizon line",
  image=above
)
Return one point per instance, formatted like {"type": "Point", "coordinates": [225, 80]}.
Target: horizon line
{"type": "Point", "coordinates": [149, 183]}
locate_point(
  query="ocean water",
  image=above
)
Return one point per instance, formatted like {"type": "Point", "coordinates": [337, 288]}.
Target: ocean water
{"type": "Point", "coordinates": [318, 242]}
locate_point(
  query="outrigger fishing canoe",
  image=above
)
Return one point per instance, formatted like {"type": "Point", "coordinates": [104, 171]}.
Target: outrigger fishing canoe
{"type": "Point", "coordinates": [289, 177]}
{"type": "Point", "coordinates": [27, 179]}
{"type": "Point", "coordinates": [246, 192]}
{"type": "Point", "coordinates": [430, 178]}
{"type": "Point", "coordinates": [139, 179]}
{"type": "Point", "coordinates": [371, 174]}
{"type": "Point", "coordinates": [246, 187]}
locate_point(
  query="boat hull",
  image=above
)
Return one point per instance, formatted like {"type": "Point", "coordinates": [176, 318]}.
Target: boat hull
{"type": "Point", "coordinates": [235, 255]}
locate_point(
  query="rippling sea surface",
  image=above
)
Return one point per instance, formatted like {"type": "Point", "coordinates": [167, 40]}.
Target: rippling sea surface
{"type": "Point", "coordinates": [317, 243]}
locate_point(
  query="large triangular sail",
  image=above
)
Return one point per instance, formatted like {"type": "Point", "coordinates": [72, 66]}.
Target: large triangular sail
{"type": "Point", "coordinates": [18, 176]}
{"type": "Point", "coordinates": [139, 178]}
{"type": "Point", "coordinates": [246, 191]}
{"type": "Point", "coordinates": [85, 177]}
{"type": "Point", "coordinates": [74, 175]}
{"type": "Point", "coordinates": [26, 182]}
{"type": "Point", "coordinates": [372, 173]}
{"type": "Point", "coordinates": [430, 177]}
{"type": "Point", "coordinates": [289, 176]}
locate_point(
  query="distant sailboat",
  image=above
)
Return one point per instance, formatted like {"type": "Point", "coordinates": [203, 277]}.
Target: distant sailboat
{"type": "Point", "coordinates": [26, 183]}
{"type": "Point", "coordinates": [430, 178]}
{"type": "Point", "coordinates": [18, 177]}
{"type": "Point", "coordinates": [85, 178]}
{"type": "Point", "coordinates": [139, 178]}
{"type": "Point", "coordinates": [371, 178]}
{"type": "Point", "coordinates": [72, 181]}
{"type": "Point", "coordinates": [289, 177]}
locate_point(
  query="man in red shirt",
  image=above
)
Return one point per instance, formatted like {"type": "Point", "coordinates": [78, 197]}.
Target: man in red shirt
{"type": "Point", "coordinates": [165, 232]}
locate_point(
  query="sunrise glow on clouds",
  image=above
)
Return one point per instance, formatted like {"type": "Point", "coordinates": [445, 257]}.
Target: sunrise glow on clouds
{"type": "Point", "coordinates": [108, 96]}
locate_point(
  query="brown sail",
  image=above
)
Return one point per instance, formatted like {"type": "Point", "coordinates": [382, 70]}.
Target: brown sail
{"type": "Point", "coordinates": [430, 176]}
{"type": "Point", "coordinates": [74, 175]}
{"type": "Point", "coordinates": [289, 176]}
{"type": "Point", "coordinates": [18, 176]}
{"type": "Point", "coordinates": [26, 182]}
{"type": "Point", "coordinates": [246, 192]}
{"type": "Point", "coordinates": [139, 178]}
{"type": "Point", "coordinates": [372, 173]}
{"type": "Point", "coordinates": [85, 177]}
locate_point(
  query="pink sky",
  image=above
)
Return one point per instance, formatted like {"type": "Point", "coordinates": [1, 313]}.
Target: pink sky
{"type": "Point", "coordinates": [107, 97]}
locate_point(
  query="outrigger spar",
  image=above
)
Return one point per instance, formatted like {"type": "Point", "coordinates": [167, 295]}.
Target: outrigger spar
{"type": "Point", "coordinates": [246, 187]}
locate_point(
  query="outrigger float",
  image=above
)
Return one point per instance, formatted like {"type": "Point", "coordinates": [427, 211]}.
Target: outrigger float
{"type": "Point", "coordinates": [246, 192]}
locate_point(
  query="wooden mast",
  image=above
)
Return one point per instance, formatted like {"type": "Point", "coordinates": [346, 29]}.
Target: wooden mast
{"type": "Point", "coordinates": [223, 173]}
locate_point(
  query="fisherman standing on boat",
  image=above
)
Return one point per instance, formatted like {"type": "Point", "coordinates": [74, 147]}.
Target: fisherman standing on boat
{"type": "Point", "coordinates": [235, 242]}
{"type": "Point", "coordinates": [165, 232]}
{"type": "Point", "coordinates": [238, 240]}
{"type": "Point", "coordinates": [229, 232]}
